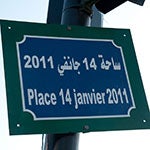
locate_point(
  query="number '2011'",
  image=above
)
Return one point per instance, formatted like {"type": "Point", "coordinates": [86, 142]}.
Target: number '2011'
{"type": "Point", "coordinates": [37, 62]}
{"type": "Point", "coordinates": [116, 96]}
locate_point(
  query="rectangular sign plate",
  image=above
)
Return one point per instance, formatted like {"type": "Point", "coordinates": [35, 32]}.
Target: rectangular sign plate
{"type": "Point", "coordinates": [75, 79]}
{"type": "Point", "coordinates": [73, 76]}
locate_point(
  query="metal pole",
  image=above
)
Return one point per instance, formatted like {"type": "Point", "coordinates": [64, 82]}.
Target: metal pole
{"type": "Point", "coordinates": [68, 141]}
{"type": "Point", "coordinates": [54, 11]}
{"type": "Point", "coordinates": [75, 12]}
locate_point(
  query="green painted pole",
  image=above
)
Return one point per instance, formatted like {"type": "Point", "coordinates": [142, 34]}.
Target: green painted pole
{"type": "Point", "coordinates": [75, 12]}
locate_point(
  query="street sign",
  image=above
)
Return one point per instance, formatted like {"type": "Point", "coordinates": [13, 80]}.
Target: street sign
{"type": "Point", "coordinates": [73, 76]}
{"type": "Point", "coordinates": [63, 79]}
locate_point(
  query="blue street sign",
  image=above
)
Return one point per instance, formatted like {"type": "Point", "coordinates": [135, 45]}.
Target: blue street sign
{"type": "Point", "coordinates": [63, 78]}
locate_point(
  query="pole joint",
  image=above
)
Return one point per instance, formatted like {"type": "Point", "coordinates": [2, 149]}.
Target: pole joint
{"type": "Point", "coordinates": [86, 5]}
{"type": "Point", "coordinates": [82, 5]}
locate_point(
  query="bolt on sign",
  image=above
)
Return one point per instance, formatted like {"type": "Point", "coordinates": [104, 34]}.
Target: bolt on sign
{"type": "Point", "coordinates": [61, 79]}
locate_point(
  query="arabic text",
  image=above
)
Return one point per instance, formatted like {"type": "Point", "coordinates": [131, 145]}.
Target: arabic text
{"type": "Point", "coordinates": [68, 63]}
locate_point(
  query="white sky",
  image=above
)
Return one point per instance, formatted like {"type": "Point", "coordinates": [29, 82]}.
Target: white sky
{"type": "Point", "coordinates": [126, 16]}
